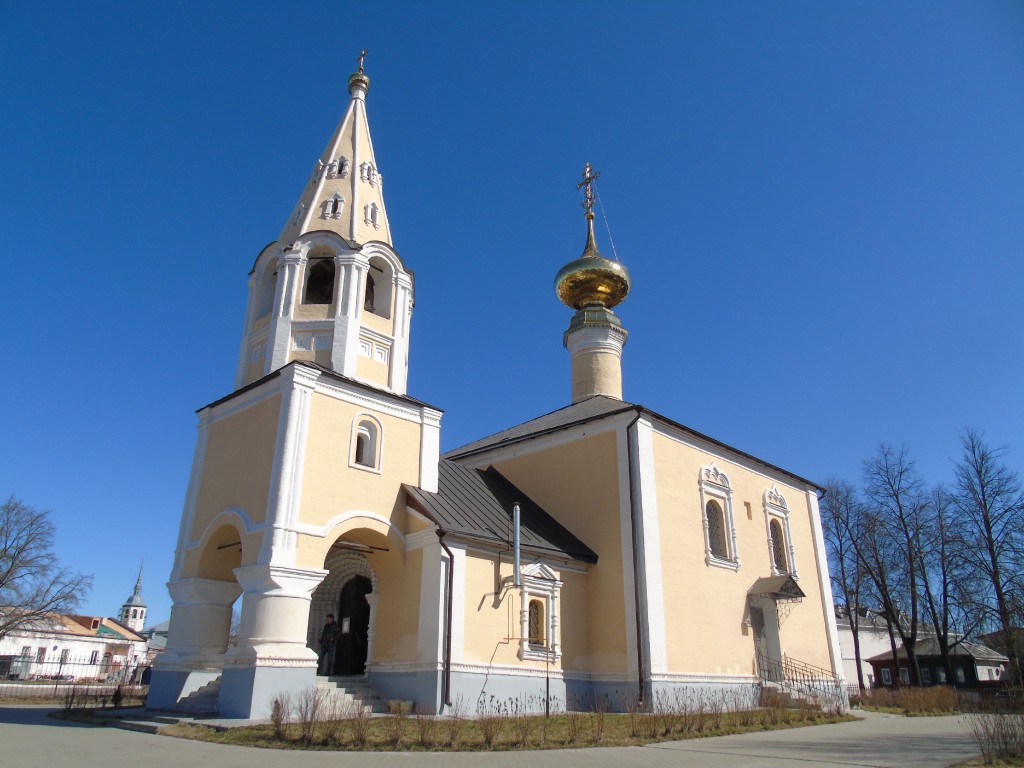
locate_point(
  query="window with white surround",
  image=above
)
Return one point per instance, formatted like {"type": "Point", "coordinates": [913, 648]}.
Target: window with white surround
{"type": "Point", "coordinates": [333, 207]}
{"type": "Point", "coordinates": [366, 443]}
{"type": "Point", "coordinates": [718, 522]}
{"type": "Point", "coordinates": [372, 213]}
{"type": "Point", "coordinates": [338, 168]}
{"type": "Point", "coordinates": [904, 675]}
{"type": "Point", "coordinates": [886, 676]}
{"type": "Point", "coordinates": [780, 539]}
{"type": "Point", "coordinates": [368, 173]}
{"type": "Point", "coordinates": [539, 614]}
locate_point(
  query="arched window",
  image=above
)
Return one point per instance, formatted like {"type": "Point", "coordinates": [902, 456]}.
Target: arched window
{"type": "Point", "coordinates": [719, 526]}
{"type": "Point", "coordinates": [716, 530]}
{"type": "Point", "coordinates": [366, 444]}
{"type": "Point", "coordinates": [780, 538]}
{"type": "Point", "coordinates": [380, 278]}
{"type": "Point", "coordinates": [320, 282]}
{"type": "Point", "coordinates": [536, 624]}
{"type": "Point", "coordinates": [778, 547]}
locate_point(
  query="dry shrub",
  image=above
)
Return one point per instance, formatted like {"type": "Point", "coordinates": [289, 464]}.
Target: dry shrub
{"type": "Point", "coordinates": [281, 714]}
{"type": "Point", "coordinates": [335, 717]}
{"type": "Point", "coordinates": [309, 709]}
{"type": "Point", "coordinates": [491, 716]}
{"type": "Point", "coordinates": [522, 719]}
{"type": "Point", "coordinates": [998, 730]}
{"type": "Point", "coordinates": [359, 722]}
{"type": "Point", "coordinates": [573, 721]}
{"type": "Point", "coordinates": [424, 724]}
{"type": "Point", "coordinates": [394, 727]}
{"type": "Point", "coordinates": [456, 722]}
{"type": "Point", "coordinates": [599, 706]}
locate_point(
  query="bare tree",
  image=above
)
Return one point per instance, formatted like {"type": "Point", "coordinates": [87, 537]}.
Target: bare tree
{"type": "Point", "coordinates": [897, 514]}
{"type": "Point", "coordinates": [990, 506]}
{"type": "Point", "coordinates": [32, 582]}
{"type": "Point", "coordinates": [841, 519]}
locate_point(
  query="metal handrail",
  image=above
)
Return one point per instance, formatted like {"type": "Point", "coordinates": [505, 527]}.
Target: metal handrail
{"type": "Point", "coordinates": [821, 685]}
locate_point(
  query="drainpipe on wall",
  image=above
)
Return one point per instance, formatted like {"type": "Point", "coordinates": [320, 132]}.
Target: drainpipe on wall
{"type": "Point", "coordinates": [446, 680]}
{"type": "Point", "coordinates": [630, 442]}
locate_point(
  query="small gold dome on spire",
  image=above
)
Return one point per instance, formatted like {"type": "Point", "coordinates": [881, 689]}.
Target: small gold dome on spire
{"type": "Point", "coordinates": [359, 78]}
{"type": "Point", "coordinates": [591, 279]}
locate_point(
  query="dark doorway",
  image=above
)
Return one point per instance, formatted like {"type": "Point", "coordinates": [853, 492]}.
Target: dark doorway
{"type": "Point", "coordinates": [354, 620]}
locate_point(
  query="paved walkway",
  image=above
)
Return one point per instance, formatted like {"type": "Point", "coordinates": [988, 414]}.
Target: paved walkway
{"type": "Point", "coordinates": [29, 739]}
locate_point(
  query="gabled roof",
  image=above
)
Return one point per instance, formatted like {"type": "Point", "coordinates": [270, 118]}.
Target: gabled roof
{"type": "Point", "coordinates": [929, 646]}
{"type": "Point", "coordinates": [478, 504]}
{"type": "Point", "coordinates": [595, 407]}
{"type": "Point", "coordinates": [591, 409]}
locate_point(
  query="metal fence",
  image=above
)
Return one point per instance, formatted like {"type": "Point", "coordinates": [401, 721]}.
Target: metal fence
{"type": "Point", "coordinates": [92, 681]}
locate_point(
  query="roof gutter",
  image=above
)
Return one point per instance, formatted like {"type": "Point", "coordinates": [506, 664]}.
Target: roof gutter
{"type": "Point", "coordinates": [446, 680]}
{"type": "Point", "coordinates": [640, 664]}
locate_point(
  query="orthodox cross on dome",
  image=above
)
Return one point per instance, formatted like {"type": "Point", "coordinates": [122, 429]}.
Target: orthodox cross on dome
{"type": "Point", "coordinates": [589, 177]}
{"type": "Point", "coordinates": [362, 55]}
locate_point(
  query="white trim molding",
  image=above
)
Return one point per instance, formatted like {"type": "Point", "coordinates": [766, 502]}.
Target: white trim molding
{"type": "Point", "coordinates": [540, 583]}
{"type": "Point", "coordinates": [715, 486]}
{"type": "Point", "coordinates": [777, 509]}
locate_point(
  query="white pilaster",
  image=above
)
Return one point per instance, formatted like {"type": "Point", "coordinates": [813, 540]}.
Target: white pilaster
{"type": "Point", "coordinates": [289, 275]}
{"type": "Point", "coordinates": [285, 494]}
{"type": "Point", "coordinates": [825, 585]}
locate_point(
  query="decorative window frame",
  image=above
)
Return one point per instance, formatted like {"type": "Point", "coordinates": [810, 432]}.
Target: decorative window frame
{"type": "Point", "coordinates": [369, 426]}
{"type": "Point", "coordinates": [372, 215]}
{"type": "Point", "coordinates": [776, 508]}
{"type": "Point", "coordinates": [338, 168]}
{"type": "Point", "coordinates": [539, 583]}
{"type": "Point", "coordinates": [715, 486]}
{"type": "Point", "coordinates": [333, 207]}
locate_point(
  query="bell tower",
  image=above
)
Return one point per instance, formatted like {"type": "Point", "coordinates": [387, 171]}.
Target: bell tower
{"type": "Point", "coordinates": [133, 612]}
{"type": "Point", "coordinates": [331, 289]}
{"type": "Point", "coordinates": [592, 285]}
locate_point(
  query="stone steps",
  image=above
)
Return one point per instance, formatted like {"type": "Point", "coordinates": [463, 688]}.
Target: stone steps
{"type": "Point", "coordinates": [349, 692]}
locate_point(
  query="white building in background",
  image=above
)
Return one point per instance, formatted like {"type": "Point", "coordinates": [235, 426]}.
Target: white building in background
{"type": "Point", "coordinates": [874, 639]}
{"type": "Point", "coordinates": [72, 647]}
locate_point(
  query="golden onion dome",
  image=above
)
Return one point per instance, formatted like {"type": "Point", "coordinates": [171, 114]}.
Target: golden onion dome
{"type": "Point", "coordinates": [592, 279]}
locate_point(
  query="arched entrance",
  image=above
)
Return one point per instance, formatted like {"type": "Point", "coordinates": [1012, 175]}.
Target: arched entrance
{"type": "Point", "coordinates": [354, 621]}
{"type": "Point", "coordinates": [348, 592]}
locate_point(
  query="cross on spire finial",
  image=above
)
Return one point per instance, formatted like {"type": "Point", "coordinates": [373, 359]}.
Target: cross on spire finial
{"type": "Point", "coordinates": [362, 55]}
{"type": "Point", "coordinates": [589, 176]}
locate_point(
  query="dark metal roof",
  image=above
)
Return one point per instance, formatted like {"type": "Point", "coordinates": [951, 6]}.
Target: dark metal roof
{"type": "Point", "coordinates": [333, 374]}
{"type": "Point", "coordinates": [782, 587]}
{"type": "Point", "coordinates": [594, 408]}
{"type": "Point", "coordinates": [478, 503]}
{"type": "Point", "coordinates": [929, 646]}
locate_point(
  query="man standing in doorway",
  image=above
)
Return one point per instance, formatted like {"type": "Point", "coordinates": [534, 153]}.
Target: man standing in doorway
{"type": "Point", "coordinates": [328, 643]}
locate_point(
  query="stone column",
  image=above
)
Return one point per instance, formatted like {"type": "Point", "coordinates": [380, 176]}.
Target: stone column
{"type": "Point", "coordinates": [196, 641]}
{"type": "Point", "coordinates": [271, 656]}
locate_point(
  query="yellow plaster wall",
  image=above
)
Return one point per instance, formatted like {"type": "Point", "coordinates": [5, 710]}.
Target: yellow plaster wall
{"type": "Point", "coordinates": [330, 486]}
{"type": "Point", "coordinates": [578, 484]}
{"type": "Point", "coordinates": [398, 607]}
{"type": "Point", "coordinates": [492, 631]}
{"type": "Point", "coordinates": [377, 323]}
{"type": "Point", "coordinates": [596, 373]}
{"type": "Point", "coordinates": [706, 607]}
{"type": "Point", "coordinates": [313, 311]}
{"type": "Point", "coordinates": [372, 371]}
{"type": "Point", "coordinates": [239, 458]}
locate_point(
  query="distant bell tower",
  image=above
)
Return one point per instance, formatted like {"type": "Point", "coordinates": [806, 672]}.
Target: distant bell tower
{"type": "Point", "coordinates": [133, 612]}
{"type": "Point", "coordinates": [332, 290]}
{"type": "Point", "coordinates": [592, 285]}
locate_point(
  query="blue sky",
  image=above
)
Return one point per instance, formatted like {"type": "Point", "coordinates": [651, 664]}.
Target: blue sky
{"type": "Point", "coordinates": [821, 206]}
